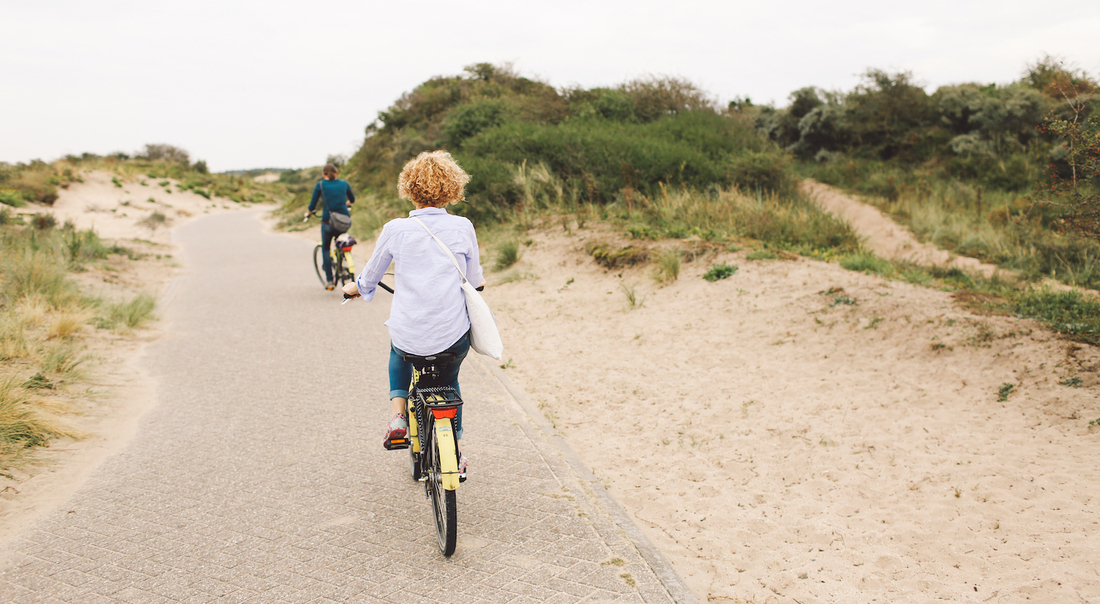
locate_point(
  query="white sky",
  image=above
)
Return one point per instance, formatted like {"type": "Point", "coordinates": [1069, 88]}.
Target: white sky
{"type": "Point", "coordinates": [249, 84]}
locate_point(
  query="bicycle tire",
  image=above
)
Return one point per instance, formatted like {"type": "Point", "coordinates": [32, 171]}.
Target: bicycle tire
{"type": "Point", "coordinates": [444, 506]}
{"type": "Point", "coordinates": [319, 264]}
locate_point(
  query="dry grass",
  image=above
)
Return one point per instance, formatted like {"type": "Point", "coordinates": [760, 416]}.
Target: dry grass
{"type": "Point", "coordinates": [67, 323]}
{"type": "Point", "coordinates": [25, 422]}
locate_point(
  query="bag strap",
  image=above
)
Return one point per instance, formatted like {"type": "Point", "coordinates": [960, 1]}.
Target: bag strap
{"type": "Point", "coordinates": [321, 183]}
{"type": "Point", "coordinates": [442, 245]}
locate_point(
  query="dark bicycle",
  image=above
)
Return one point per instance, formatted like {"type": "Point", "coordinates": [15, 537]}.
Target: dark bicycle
{"type": "Point", "coordinates": [343, 265]}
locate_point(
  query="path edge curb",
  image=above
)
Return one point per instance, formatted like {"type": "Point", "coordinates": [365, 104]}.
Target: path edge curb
{"type": "Point", "coordinates": [670, 579]}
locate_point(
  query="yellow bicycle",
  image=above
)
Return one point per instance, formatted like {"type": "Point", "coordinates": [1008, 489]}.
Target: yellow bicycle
{"type": "Point", "coordinates": [433, 450]}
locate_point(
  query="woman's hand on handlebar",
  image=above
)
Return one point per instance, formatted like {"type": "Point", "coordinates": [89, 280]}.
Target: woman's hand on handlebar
{"type": "Point", "coordinates": [482, 286]}
{"type": "Point", "coordinates": [351, 290]}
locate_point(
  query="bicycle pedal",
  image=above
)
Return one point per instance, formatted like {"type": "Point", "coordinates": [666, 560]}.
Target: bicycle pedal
{"type": "Point", "coordinates": [393, 444]}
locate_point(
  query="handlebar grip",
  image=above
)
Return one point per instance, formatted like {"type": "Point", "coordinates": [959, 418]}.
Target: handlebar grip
{"type": "Point", "coordinates": [385, 287]}
{"type": "Point", "coordinates": [480, 288]}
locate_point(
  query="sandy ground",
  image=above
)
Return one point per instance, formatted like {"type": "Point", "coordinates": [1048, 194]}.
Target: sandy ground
{"type": "Point", "coordinates": [781, 445]}
{"type": "Point", "coordinates": [107, 402]}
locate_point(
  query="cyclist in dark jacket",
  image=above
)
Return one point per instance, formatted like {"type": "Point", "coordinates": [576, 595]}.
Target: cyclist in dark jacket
{"type": "Point", "coordinates": [336, 196]}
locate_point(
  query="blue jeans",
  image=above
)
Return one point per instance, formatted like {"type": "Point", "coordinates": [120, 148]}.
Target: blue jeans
{"type": "Point", "coordinates": [401, 373]}
{"type": "Point", "coordinates": [327, 235]}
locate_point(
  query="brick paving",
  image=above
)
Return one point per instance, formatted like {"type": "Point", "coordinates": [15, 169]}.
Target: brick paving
{"type": "Point", "coordinates": [260, 477]}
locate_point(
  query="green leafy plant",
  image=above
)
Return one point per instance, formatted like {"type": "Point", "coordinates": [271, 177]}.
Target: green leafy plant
{"type": "Point", "coordinates": [1072, 382]}
{"type": "Point", "coordinates": [1005, 390]}
{"type": "Point", "coordinates": [719, 271]}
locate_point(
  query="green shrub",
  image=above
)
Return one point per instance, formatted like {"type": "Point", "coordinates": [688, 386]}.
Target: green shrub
{"type": "Point", "coordinates": [719, 271]}
{"type": "Point", "coordinates": [11, 198]}
{"type": "Point", "coordinates": [44, 222]}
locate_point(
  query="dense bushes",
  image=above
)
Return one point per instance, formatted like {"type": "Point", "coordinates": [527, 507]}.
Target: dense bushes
{"type": "Point", "coordinates": [986, 133]}
{"type": "Point", "coordinates": [600, 145]}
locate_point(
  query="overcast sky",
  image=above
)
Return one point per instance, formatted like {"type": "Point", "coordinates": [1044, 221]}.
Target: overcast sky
{"type": "Point", "coordinates": [249, 84]}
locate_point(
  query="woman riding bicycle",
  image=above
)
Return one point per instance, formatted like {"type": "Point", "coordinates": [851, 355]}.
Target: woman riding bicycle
{"type": "Point", "coordinates": [428, 315]}
{"type": "Point", "coordinates": [336, 196]}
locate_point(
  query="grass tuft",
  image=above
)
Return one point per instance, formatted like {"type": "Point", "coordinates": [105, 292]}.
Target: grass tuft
{"type": "Point", "coordinates": [668, 265]}
{"type": "Point", "coordinates": [865, 261]}
{"type": "Point", "coordinates": [131, 314]}
{"type": "Point", "coordinates": [508, 253]}
{"type": "Point", "coordinates": [22, 425]}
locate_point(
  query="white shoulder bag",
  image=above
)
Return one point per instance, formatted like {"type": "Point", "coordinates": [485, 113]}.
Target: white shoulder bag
{"type": "Point", "coordinates": [484, 335]}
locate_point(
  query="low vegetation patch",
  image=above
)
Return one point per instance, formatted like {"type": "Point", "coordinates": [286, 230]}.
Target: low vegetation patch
{"type": "Point", "coordinates": [719, 271]}
{"type": "Point", "coordinates": [610, 256]}
{"type": "Point", "coordinates": [43, 319]}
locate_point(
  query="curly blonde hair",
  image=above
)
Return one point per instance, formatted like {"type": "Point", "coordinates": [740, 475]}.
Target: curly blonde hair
{"type": "Point", "coordinates": [432, 179]}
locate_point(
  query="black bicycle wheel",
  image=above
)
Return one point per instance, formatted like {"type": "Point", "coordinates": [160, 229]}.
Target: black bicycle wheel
{"type": "Point", "coordinates": [444, 506]}
{"type": "Point", "coordinates": [319, 264]}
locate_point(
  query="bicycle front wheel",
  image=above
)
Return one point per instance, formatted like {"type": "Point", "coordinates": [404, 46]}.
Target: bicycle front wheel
{"type": "Point", "coordinates": [319, 264]}
{"type": "Point", "coordinates": [444, 506]}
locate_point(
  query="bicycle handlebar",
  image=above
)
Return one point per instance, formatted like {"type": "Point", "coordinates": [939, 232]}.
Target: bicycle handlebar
{"type": "Point", "coordinates": [390, 289]}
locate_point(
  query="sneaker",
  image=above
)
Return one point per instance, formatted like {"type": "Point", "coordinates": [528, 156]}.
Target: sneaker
{"type": "Point", "coordinates": [330, 286]}
{"type": "Point", "coordinates": [463, 464]}
{"type": "Point", "coordinates": [398, 428]}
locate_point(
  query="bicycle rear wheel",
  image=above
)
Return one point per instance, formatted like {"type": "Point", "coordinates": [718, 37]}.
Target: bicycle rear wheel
{"type": "Point", "coordinates": [444, 505]}
{"type": "Point", "coordinates": [319, 264]}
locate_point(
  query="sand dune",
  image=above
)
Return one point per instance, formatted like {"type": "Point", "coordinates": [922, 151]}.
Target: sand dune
{"type": "Point", "coordinates": [801, 433]}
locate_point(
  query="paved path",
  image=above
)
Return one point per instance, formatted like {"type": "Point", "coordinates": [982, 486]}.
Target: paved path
{"type": "Point", "coordinates": [260, 477]}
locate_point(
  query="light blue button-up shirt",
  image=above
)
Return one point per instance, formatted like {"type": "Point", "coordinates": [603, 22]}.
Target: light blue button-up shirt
{"type": "Point", "coordinates": [429, 309]}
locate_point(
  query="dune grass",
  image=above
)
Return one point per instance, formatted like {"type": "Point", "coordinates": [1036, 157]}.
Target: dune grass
{"type": "Point", "coordinates": [131, 314]}
{"type": "Point", "coordinates": [508, 253]}
{"type": "Point", "coordinates": [668, 265]}
{"type": "Point", "coordinates": [23, 424]}
{"type": "Point", "coordinates": [43, 318]}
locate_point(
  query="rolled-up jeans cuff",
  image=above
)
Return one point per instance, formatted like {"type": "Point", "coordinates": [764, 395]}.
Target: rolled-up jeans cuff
{"type": "Point", "coordinates": [399, 394]}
